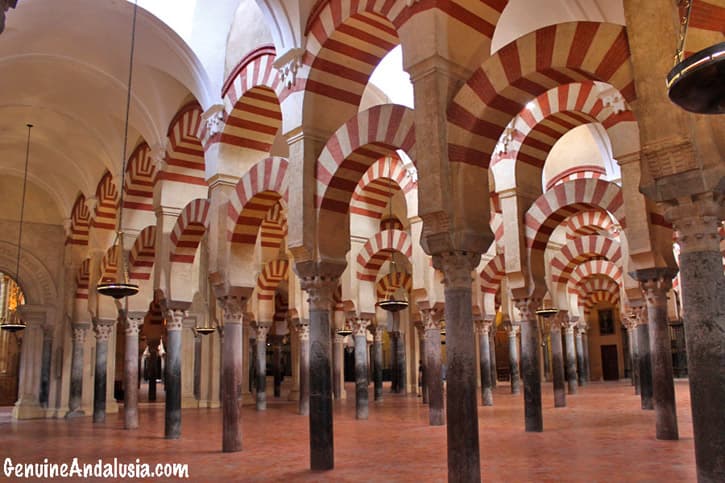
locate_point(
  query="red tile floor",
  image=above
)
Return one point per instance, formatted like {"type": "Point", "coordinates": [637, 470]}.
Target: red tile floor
{"type": "Point", "coordinates": [602, 435]}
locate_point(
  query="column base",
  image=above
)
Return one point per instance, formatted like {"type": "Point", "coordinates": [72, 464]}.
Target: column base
{"type": "Point", "coordinates": [204, 403]}
{"type": "Point", "coordinates": [294, 395]}
{"type": "Point", "coordinates": [77, 413]}
{"type": "Point", "coordinates": [28, 410]}
{"type": "Point", "coordinates": [249, 398]}
{"type": "Point", "coordinates": [189, 402]}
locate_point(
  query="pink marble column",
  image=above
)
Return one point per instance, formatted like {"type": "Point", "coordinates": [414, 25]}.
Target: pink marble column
{"type": "Point", "coordinates": [483, 328]}
{"type": "Point", "coordinates": [530, 370]}
{"type": "Point", "coordinates": [134, 321]}
{"type": "Point", "coordinates": [303, 333]}
{"type": "Point", "coordinates": [233, 307]}
{"type": "Point", "coordinates": [359, 328]}
{"type": "Point", "coordinates": [433, 372]}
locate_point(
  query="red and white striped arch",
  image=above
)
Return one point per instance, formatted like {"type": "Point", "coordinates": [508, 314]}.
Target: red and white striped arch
{"type": "Point", "coordinates": [255, 194]}
{"type": "Point", "coordinates": [104, 216]}
{"type": "Point", "coordinates": [493, 272]}
{"type": "Point", "coordinates": [274, 227]}
{"type": "Point", "coordinates": [496, 224]}
{"type": "Point", "coordinates": [141, 258]}
{"type": "Point", "coordinates": [591, 222]}
{"type": "Point", "coordinates": [566, 199]}
{"type": "Point", "coordinates": [80, 222]}
{"type": "Point", "coordinates": [357, 145]}
{"type": "Point", "coordinates": [391, 223]}
{"type": "Point", "coordinates": [555, 112]}
{"type": "Point", "coordinates": [184, 153]}
{"type": "Point", "coordinates": [272, 274]}
{"type": "Point", "coordinates": [251, 106]}
{"type": "Point", "coordinates": [580, 249]}
{"type": "Point", "coordinates": [596, 283]}
{"type": "Point", "coordinates": [83, 278]}
{"type": "Point", "coordinates": [706, 25]}
{"type": "Point", "coordinates": [188, 231]}
{"type": "Point", "coordinates": [109, 265]}
{"type": "Point", "coordinates": [391, 282]}
{"type": "Point", "coordinates": [374, 190]}
{"type": "Point", "coordinates": [140, 179]}
{"type": "Point", "coordinates": [378, 249]}
{"type": "Point", "coordinates": [593, 268]}
{"type": "Point", "coordinates": [521, 71]}
{"type": "Point", "coordinates": [600, 297]}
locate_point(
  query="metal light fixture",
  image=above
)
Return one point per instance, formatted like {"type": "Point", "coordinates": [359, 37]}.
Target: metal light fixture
{"type": "Point", "coordinates": [547, 312]}
{"type": "Point", "coordinates": [14, 323]}
{"type": "Point", "coordinates": [345, 330]}
{"type": "Point", "coordinates": [205, 329]}
{"type": "Point", "coordinates": [697, 84]}
{"type": "Point", "coordinates": [122, 287]}
{"type": "Point", "coordinates": [392, 303]}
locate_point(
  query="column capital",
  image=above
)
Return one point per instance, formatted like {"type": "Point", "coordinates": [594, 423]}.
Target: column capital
{"type": "Point", "coordinates": [262, 329]}
{"type": "Point", "coordinates": [103, 329]}
{"type": "Point", "coordinates": [527, 307]}
{"type": "Point", "coordinates": [233, 307]}
{"type": "Point", "coordinates": [482, 327]}
{"type": "Point", "coordinates": [513, 330]}
{"type": "Point", "coordinates": [377, 331]}
{"type": "Point", "coordinates": [175, 319]}
{"type": "Point", "coordinates": [655, 283]}
{"type": "Point", "coordinates": [696, 220]}
{"type": "Point", "coordinates": [79, 332]}
{"type": "Point", "coordinates": [320, 290]}
{"type": "Point", "coordinates": [360, 326]}
{"type": "Point", "coordinates": [457, 267]}
{"type": "Point", "coordinates": [302, 327]}
{"type": "Point", "coordinates": [134, 321]}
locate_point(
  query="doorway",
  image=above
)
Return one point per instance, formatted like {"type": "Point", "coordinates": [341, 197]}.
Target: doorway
{"type": "Point", "coordinates": [610, 363]}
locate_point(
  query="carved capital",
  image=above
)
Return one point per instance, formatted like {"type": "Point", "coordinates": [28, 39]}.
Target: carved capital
{"type": "Point", "coordinates": [233, 308]}
{"type": "Point", "coordinates": [262, 330]}
{"type": "Point", "coordinates": [175, 319]}
{"type": "Point", "coordinates": [457, 267]}
{"type": "Point", "coordinates": [360, 327]}
{"type": "Point", "coordinates": [483, 327]}
{"type": "Point", "coordinates": [697, 220]}
{"type": "Point", "coordinates": [640, 314]}
{"type": "Point", "coordinates": [669, 156]}
{"type": "Point", "coordinates": [103, 329]}
{"type": "Point", "coordinates": [527, 308]}
{"type": "Point", "coordinates": [79, 333]}
{"type": "Point", "coordinates": [320, 290]}
{"type": "Point", "coordinates": [288, 65]}
{"type": "Point", "coordinates": [430, 320]}
{"type": "Point", "coordinates": [378, 333]}
{"type": "Point", "coordinates": [303, 329]}
{"type": "Point", "coordinates": [513, 330]}
{"type": "Point", "coordinates": [134, 321]}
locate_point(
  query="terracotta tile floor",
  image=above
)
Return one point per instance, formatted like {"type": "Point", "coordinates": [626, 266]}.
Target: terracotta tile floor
{"type": "Point", "coordinates": [602, 435]}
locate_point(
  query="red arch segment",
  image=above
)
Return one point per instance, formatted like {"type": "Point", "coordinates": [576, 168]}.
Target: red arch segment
{"type": "Point", "coordinates": [140, 179]}
{"type": "Point", "coordinates": [83, 279]}
{"type": "Point", "coordinates": [272, 274]}
{"type": "Point", "coordinates": [106, 204]}
{"type": "Point", "coordinates": [580, 249]}
{"type": "Point", "coordinates": [141, 258]}
{"type": "Point", "coordinates": [493, 272]}
{"type": "Point", "coordinates": [80, 222]}
{"type": "Point", "coordinates": [188, 231]}
{"type": "Point", "coordinates": [378, 249]}
{"type": "Point", "coordinates": [184, 153]}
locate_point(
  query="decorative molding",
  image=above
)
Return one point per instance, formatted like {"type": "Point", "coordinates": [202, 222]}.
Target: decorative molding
{"type": "Point", "coordinates": [288, 65]}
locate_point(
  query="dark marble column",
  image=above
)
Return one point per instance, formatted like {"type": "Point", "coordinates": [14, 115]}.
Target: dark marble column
{"type": "Point", "coordinates": [320, 289]}
{"type": "Point", "coordinates": [359, 327]}
{"type": "Point", "coordinates": [262, 330]}
{"type": "Point", "coordinates": [153, 365]}
{"type": "Point", "coordinates": [103, 329]}
{"type": "Point", "coordinates": [703, 307]}
{"type": "Point", "coordinates": [655, 284]}
{"type": "Point", "coordinates": [484, 359]}
{"type": "Point", "coordinates": [630, 324]}
{"type": "Point", "coordinates": [197, 365]}
{"type": "Point", "coordinates": [277, 361]}
{"type": "Point", "coordinates": [464, 459]}
{"type": "Point", "coordinates": [645, 361]}
{"type": "Point", "coordinates": [530, 370]}
{"type": "Point", "coordinates": [45, 365]}
{"type": "Point", "coordinates": [492, 351]}
{"type": "Point", "coordinates": [433, 372]}
{"type": "Point", "coordinates": [172, 376]}
{"type": "Point", "coordinates": [378, 362]}
{"type": "Point", "coordinates": [579, 344]}
{"type": "Point", "coordinates": [134, 321]}
{"type": "Point", "coordinates": [585, 346]}
{"type": "Point", "coordinates": [401, 360]}
{"type": "Point", "coordinates": [571, 370]}
{"type": "Point", "coordinates": [338, 349]}
{"type": "Point", "coordinates": [76, 371]}
{"type": "Point", "coordinates": [420, 331]}
{"type": "Point", "coordinates": [233, 306]}
{"type": "Point", "coordinates": [394, 337]}
{"type": "Point", "coordinates": [303, 333]}
{"type": "Point", "coordinates": [514, 359]}
{"type": "Point", "coordinates": [557, 363]}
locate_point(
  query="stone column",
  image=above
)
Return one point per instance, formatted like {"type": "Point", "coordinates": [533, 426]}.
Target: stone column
{"type": "Point", "coordinates": [338, 349]}
{"type": "Point", "coordinates": [320, 289]}
{"type": "Point", "coordinates": [189, 397]}
{"type": "Point", "coordinates": [433, 372]}
{"type": "Point", "coordinates": [645, 361]}
{"type": "Point", "coordinates": [571, 370]}
{"type": "Point", "coordinates": [492, 355]}
{"type": "Point", "coordinates": [655, 284]}
{"type": "Point", "coordinates": [482, 330]}
{"type": "Point", "coordinates": [378, 362]}
{"type": "Point", "coordinates": [579, 344]}
{"type": "Point", "coordinates": [585, 350]}
{"type": "Point", "coordinates": [530, 369]}
{"type": "Point", "coordinates": [172, 377]}
{"type": "Point", "coordinates": [514, 358]}
{"type": "Point", "coordinates": [461, 400]}
{"type": "Point", "coordinates": [703, 299]}
{"type": "Point", "coordinates": [420, 330]}
{"type": "Point", "coordinates": [359, 327]}
{"type": "Point", "coordinates": [395, 366]}
{"type": "Point", "coordinates": [197, 365]}
{"type": "Point", "coordinates": [277, 363]}
{"type": "Point", "coordinates": [233, 307]}
{"type": "Point", "coordinates": [134, 320]}
{"type": "Point", "coordinates": [557, 363]}
{"type": "Point", "coordinates": [630, 325]}
{"type": "Point", "coordinates": [45, 365]}
{"type": "Point", "coordinates": [76, 370]}
{"type": "Point", "coordinates": [303, 333]}
{"type": "Point", "coordinates": [102, 328]}
{"type": "Point", "coordinates": [262, 330]}
{"type": "Point", "coordinates": [153, 346]}
{"type": "Point", "coordinates": [400, 358]}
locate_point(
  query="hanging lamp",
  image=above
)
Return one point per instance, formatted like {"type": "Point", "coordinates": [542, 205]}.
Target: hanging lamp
{"type": "Point", "coordinates": [205, 329]}
{"type": "Point", "coordinates": [14, 323]}
{"type": "Point", "coordinates": [697, 84]}
{"type": "Point", "coordinates": [345, 330]}
{"type": "Point", "coordinates": [547, 312]}
{"type": "Point", "coordinates": [392, 303]}
{"type": "Point", "coordinates": [122, 287]}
